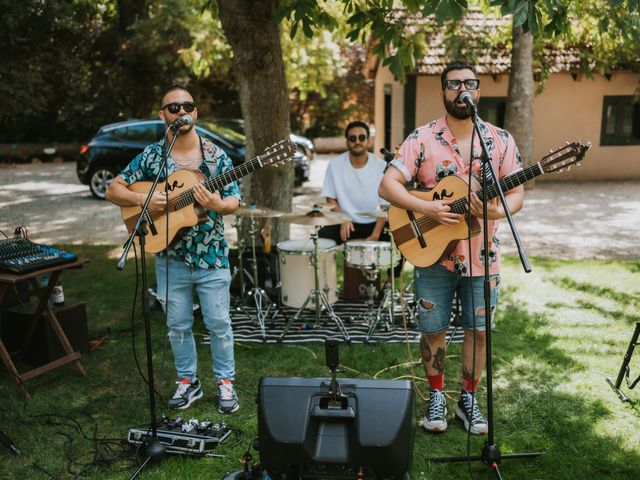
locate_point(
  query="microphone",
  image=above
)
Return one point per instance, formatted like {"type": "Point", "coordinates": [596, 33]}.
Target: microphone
{"type": "Point", "coordinates": [183, 120]}
{"type": "Point", "coordinates": [468, 100]}
{"type": "Point", "coordinates": [6, 441]}
{"type": "Point", "coordinates": [388, 156]}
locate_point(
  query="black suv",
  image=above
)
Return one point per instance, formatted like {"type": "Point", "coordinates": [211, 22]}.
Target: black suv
{"type": "Point", "coordinates": [116, 144]}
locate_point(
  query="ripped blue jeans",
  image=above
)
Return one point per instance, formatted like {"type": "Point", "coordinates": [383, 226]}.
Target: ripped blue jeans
{"type": "Point", "coordinates": [212, 287]}
{"type": "Point", "coordinates": [435, 287]}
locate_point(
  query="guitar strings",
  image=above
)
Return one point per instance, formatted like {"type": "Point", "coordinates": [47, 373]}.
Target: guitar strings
{"type": "Point", "coordinates": [460, 205]}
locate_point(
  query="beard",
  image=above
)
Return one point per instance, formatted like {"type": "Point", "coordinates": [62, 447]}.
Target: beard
{"type": "Point", "coordinates": [461, 113]}
{"type": "Point", "coordinates": [185, 128]}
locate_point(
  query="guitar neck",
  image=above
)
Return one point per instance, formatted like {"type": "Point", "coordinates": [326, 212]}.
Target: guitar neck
{"type": "Point", "coordinates": [217, 183]}
{"type": "Point", "coordinates": [512, 181]}
{"type": "Point", "coordinates": [508, 183]}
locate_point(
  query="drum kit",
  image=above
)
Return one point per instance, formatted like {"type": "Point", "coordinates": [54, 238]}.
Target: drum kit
{"type": "Point", "coordinates": [307, 268]}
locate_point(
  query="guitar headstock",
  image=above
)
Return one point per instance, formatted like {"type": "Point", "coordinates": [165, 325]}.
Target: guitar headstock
{"type": "Point", "coordinates": [277, 153]}
{"type": "Point", "coordinates": [564, 157]}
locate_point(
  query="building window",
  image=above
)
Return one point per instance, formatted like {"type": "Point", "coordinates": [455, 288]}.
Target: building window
{"type": "Point", "coordinates": [620, 121]}
{"type": "Point", "coordinates": [491, 109]}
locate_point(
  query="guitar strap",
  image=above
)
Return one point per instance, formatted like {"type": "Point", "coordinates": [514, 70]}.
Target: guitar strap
{"type": "Point", "coordinates": [419, 162]}
{"type": "Point", "coordinates": [211, 165]}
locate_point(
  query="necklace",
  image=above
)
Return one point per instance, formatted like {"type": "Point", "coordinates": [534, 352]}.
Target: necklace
{"type": "Point", "coordinates": [188, 164]}
{"type": "Point", "coordinates": [185, 164]}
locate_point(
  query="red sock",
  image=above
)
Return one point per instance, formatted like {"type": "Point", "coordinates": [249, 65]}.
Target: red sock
{"type": "Point", "coordinates": [470, 385]}
{"type": "Point", "coordinates": [436, 382]}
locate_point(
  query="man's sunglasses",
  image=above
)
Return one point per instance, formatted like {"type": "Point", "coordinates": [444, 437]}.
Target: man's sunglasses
{"type": "Point", "coordinates": [352, 138]}
{"type": "Point", "coordinates": [175, 107]}
{"type": "Point", "coordinates": [469, 84]}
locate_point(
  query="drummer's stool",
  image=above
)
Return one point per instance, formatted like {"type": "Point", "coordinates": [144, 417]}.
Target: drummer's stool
{"type": "Point", "coordinates": [356, 283]}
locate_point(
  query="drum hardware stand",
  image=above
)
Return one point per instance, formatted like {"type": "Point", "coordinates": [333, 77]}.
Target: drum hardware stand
{"type": "Point", "coordinates": [318, 296]}
{"type": "Point", "coordinates": [371, 275]}
{"type": "Point", "coordinates": [624, 368]}
{"type": "Point", "coordinates": [240, 270]}
{"type": "Point", "coordinates": [259, 296]}
{"type": "Point", "coordinates": [387, 304]}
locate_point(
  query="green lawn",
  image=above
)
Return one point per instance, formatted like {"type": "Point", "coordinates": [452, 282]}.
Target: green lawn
{"type": "Point", "coordinates": [560, 331]}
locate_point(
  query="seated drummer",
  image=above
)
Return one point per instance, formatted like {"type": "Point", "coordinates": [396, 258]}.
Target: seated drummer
{"type": "Point", "coordinates": [351, 186]}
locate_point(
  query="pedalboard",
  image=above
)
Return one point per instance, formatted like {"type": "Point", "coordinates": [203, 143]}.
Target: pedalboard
{"type": "Point", "coordinates": [184, 437]}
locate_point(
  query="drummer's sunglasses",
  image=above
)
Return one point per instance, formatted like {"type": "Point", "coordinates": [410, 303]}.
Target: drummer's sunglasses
{"type": "Point", "coordinates": [352, 138]}
{"type": "Point", "coordinates": [175, 107]}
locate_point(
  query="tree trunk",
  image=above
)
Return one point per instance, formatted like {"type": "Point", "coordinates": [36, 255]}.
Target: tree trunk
{"type": "Point", "coordinates": [254, 35]}
{"type": "Point", "coordinates": [519, 112]}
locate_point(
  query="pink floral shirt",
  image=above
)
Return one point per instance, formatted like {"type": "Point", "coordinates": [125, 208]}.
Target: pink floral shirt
{"type": "Point", "coordinates": [433, 149]}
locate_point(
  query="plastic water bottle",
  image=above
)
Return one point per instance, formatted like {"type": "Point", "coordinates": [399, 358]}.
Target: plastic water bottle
{"type": "Point", "coordinates": [57, 295]}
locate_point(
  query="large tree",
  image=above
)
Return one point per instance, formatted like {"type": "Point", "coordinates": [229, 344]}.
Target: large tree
{"type": "Point", "coordinates": [519, 111]}
{"type": "Point", "coordinates": [252, 29]}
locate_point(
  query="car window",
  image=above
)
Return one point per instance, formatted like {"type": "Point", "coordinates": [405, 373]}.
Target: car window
{"type": "Point", "coordinates": [225, 131]}
{"type": "Point", "coordinates": [144, 133]}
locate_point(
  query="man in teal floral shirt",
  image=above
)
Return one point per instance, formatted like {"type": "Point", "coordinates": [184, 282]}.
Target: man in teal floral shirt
{"type": "Point", "coordinates": [198, 260]}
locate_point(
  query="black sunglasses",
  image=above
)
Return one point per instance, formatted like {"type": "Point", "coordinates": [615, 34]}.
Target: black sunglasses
{"type": "Point", "coordinates": [352, 138]}
{"type": "Point", "coordinates": [469, 84]}
{"type": "Point", "coordinates": [175, 107]}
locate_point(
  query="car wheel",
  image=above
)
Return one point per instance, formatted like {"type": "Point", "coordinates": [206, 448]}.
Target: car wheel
{"type": "Point", "coordinates": [99, 181]}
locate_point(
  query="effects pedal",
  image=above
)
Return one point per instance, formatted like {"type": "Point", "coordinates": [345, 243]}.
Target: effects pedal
{"type": "Point", "coordinates": [186, 437]}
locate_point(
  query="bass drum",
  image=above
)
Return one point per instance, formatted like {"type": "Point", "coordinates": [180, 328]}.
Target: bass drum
{"type": "Point", "coordinates": [297, 274]}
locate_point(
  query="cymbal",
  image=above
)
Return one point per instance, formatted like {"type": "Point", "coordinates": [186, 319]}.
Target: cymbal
{"type": "Point", "coordinates": [374, 213]}
{"type": "Point", "coordinates": [317, 218]}
{"type": "Point", "coordinates": [254, 210]}
{"type": "Point", "coordinates": [311, 206]}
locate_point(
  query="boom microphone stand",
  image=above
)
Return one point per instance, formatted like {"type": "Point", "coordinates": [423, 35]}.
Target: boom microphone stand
{"type": "Point", "coordinates": [490, 453]}
{"type": "Point", "coordinates": [154, 449]}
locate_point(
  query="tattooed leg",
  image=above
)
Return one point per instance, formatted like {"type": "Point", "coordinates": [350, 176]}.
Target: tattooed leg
{"type": "Point", "coordinates": [468, 382]}
{"type": "Point", "coordinates": [430, 343]}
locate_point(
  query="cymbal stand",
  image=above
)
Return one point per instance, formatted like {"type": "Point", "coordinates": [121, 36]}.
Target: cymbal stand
{"type": "Point", "coordinates": [318, 296]}
{"type": "Point", "coordinates": [260, 297]}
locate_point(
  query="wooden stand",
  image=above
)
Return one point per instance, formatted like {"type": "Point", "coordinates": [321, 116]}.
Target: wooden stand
{"type": "Point", "coordinates": [43, 293]}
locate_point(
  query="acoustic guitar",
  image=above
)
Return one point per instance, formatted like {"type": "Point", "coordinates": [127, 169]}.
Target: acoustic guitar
{"type": "Point", "coordinates": [184, 212]}
{"type": "Point", "coordinates": [424, 241]}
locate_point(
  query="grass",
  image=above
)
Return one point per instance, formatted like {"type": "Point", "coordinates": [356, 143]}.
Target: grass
{"type": "Point", "coordinates": [560, 331]}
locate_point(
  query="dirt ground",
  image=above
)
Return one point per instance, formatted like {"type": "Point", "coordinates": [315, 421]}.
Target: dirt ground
{"type": "Point", "coordinates": [559, 220]}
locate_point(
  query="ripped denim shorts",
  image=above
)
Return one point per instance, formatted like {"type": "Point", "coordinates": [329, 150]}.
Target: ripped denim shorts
{"type": "Point", "coordinates": [435, 289]}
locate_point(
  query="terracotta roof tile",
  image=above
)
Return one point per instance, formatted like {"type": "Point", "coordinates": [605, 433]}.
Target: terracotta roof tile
{"type": "Point", "coordinates": [489, 59]}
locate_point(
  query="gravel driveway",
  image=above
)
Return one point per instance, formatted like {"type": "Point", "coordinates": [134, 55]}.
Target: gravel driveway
{"type": "Point", "coordinates": [559, 220]}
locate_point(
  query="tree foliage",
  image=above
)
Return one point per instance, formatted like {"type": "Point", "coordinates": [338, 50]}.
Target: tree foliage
{"type": "Point", "coordinates": [610, 26]}
{"type": "Point", "coordinates": [69, 66]}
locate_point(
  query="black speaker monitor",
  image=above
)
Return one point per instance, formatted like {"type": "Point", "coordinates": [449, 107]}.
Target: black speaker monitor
{"type": "Point", "coordinates": [370, 428]}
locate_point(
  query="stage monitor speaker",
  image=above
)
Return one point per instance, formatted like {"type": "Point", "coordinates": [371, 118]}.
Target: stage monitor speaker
{"type": "Point", "coordinates": [303, 431]}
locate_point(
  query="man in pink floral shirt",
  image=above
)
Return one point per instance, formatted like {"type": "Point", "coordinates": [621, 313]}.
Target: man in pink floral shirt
{"type": "Point", "coordinates": [449, 146]}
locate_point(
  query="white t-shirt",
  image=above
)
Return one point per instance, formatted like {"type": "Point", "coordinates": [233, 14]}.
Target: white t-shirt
{"type": "Point", "coordinates": [355, 189]}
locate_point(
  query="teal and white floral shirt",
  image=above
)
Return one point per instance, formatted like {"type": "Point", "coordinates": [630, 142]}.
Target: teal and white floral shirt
{"type": "Point", "coordinates": [204, 245]}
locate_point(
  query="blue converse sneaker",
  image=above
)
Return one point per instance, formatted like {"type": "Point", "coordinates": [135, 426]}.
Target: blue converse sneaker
{"type": "Point", "coordinates": [186, 394]}
{"type": "Point", "coordinates": [436, 418]}
{"type": "Point", "coordinates": [227, 398]}
{"type": "Point", "coordinates": [468, 411]}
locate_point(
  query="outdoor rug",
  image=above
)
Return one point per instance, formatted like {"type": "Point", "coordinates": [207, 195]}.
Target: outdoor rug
{"type": "Point", "coordinates": [305, 330]}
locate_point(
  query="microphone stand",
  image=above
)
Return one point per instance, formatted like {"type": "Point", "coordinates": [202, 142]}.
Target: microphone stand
{"type": "Point", "coordinates": [490, 452]}
{"type": "Point", "coordinates": [154, 449]}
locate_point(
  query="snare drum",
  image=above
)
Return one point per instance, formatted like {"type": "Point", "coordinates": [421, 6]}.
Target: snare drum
{"type": "Point", "coordinates": [369, 254]}
{"type": "Point", "coordinates": [297, 274]}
